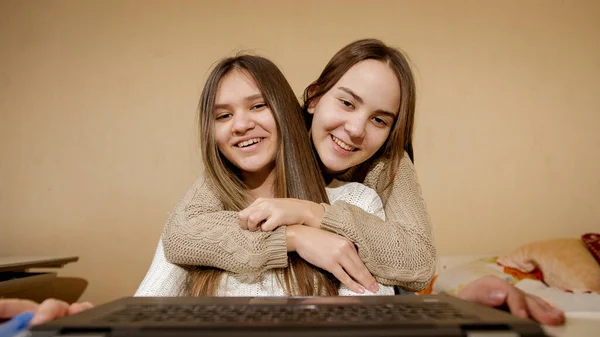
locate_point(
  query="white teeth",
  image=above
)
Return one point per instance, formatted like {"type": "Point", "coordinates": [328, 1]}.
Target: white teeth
{"type": "Point", "coordinates": [249, 142]}
{"type": "Point", "coordinates": [342, 144]}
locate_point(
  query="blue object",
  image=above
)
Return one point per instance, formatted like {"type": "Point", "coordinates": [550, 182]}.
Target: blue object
{"type": "Point", "coordinates": [16, 324]}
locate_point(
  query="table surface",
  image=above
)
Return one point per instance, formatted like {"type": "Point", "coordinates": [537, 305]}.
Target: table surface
{"type": "Point", "coordinates": [21, 263]}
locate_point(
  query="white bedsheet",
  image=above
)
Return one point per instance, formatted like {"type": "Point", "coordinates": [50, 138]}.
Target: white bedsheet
{"type": "Point", "coordinates": [568, 302]}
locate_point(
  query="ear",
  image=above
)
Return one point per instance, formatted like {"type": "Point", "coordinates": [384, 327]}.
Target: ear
{"type": "Point", "coordinates": [312, 104]}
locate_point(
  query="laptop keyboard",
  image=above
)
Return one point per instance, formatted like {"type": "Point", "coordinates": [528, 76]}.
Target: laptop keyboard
{"type": "Point", "coordinates": [294, 314]}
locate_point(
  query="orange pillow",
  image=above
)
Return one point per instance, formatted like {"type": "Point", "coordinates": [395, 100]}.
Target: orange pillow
{"type": "Point", "coordinates": [519, 275]}
{"type": "Point", "coordinates": [565, 264]}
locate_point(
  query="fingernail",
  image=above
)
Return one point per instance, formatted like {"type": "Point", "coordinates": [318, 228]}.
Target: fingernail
{"type": "Point", "coordinates": [374, 288]}
{"type": "Point", "coordinates": [497, 295]}
{"type": "Point", "coordinates": [361, 290]}
{"type": "Point", "coordinates": [523, 313]}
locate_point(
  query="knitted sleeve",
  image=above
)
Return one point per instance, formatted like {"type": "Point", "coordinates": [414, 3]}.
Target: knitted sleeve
{"type": "Point", "coordinates": [166, 279]}
{"type": "Point", "coordinates": [399, 250]}
{"type": "Point", "coordinates": [199, 232]}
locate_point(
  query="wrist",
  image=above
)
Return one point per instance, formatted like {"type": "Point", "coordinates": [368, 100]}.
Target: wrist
{"type": "Point", "coordinates": [290, 238]}
{"type": "Point", "coordinates": [314, 214]}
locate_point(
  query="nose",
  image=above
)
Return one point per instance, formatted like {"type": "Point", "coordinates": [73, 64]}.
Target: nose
{"type": "Point", "coordinates": [242, 122]}
{"type": "Point", "coordinates": [355, 127]}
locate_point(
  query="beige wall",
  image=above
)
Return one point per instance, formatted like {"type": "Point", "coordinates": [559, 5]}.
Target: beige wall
{"type": "Point", "coordinates": [97, 103]}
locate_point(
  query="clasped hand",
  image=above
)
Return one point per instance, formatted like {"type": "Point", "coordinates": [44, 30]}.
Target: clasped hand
{"type": "Point", "coordinates": [267, 214]}
{"type": "Point", "coordinates": [318, 247]}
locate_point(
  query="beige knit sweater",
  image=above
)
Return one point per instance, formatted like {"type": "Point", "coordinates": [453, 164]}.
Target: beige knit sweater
{"type": "Point", "coordinates": [397, 251]}
{"type": "Point", "coordinates": [167, 279]}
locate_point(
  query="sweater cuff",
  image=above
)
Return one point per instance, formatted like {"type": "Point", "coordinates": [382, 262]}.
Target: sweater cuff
{"type": "Point", "coordinates": [330, 221]}
{"type": "Point", "coordinates": [276, 249]}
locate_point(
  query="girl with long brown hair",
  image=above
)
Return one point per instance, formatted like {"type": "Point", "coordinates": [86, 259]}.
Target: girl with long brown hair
{"type": "Point", "coordinates": [254, 145]}
{"type": "Point", "coordinates": [360, 113]}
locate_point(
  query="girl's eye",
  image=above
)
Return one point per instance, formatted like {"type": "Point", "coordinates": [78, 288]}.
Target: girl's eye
{"type": "Point", "coordinates": [223, 116]}
{"type": "Point", "coordinates": [347, 104]}
{"type": "Point", "coordinates": [380, 121]}
{"type": "Point", "coordinates": [259, 106]}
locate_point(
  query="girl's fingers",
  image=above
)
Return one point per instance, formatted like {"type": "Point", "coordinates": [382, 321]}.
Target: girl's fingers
{"type": "Point", "coordinates": [12, 307]}
{"type": "Point", "coordinates": [49, 310]}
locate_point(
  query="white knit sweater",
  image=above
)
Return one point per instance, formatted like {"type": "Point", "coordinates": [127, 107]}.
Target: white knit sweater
{"type": "Point", "coordinates": [166, 279]}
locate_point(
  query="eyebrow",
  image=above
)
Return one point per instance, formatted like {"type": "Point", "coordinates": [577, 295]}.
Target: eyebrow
{"type": "Point", "coordinates": [360, 100]}
{"type": "Point", "coordinates": [247, 99]}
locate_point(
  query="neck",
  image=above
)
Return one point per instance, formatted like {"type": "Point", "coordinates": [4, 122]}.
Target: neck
{"type": "Point", "coordinates": [261, 184]}
{"type": "Point", "coordinates": [354, 173]}
{"type": "Point", "coordinates": [329, 175]}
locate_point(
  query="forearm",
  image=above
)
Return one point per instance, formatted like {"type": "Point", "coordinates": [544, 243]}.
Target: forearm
{"type": "Point", "coordinates": [199, 232]}
{"type": "Point", "coordinates": [399, 250]}
{"type": "Point", "coordinates": [229, 248]}
{"type": "Point", "coordinates": [396, 253]}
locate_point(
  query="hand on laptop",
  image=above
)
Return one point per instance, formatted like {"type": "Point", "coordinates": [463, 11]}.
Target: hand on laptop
{"type": "Point", "coordinates": [494, 292]}
{"type": "Point", "coordinates": [48, 310]}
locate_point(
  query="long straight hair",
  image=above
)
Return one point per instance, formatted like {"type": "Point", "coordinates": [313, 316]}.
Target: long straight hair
{"type": "Point", "coordinates": [297, 173]}
{"type": "Point", "coordinates": [400, 136]}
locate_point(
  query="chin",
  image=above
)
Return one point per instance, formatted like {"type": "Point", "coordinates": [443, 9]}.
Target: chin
{"type": "Point", "coordinates": [335, 167]}
{"type": "Point", "coordinates": [252, 169]}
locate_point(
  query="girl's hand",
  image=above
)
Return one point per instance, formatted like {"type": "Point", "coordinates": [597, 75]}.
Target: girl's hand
{"type": "Point", "coordinates": [493, 292]}
{"type": "Point", "coordinates": [52, 309]}
{"type": "Point", "coordinates": [48, 310]}
{"type": "Point", "coordinates": [270, 213]}
{"type": "Point", "coordinates": [332, 253]}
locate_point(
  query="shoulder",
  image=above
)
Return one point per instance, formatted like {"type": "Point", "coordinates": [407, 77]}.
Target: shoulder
{"type": "Point", "coordinates": [200, 187]}
{"type": "Point", "coordinates": [383, 163]}
{"type": "Point", "coordinates": [200, 195]}
{"type": "Point", "coordinates": [381, 168]}
{"type": "Point", "coordinates": [201, 180]}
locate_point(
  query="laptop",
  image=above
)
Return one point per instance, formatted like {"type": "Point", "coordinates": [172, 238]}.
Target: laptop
{"type": "Point", "coordinates": [351, 316]}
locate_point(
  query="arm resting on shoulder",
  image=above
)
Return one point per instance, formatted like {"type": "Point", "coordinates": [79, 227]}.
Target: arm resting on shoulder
{"type": "Point", "coordinates": [399, 250]}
